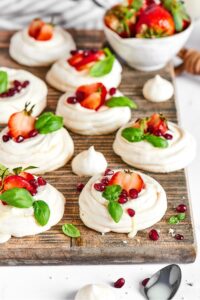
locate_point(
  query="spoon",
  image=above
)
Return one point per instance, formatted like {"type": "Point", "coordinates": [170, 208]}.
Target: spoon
{"type": "Point", "coordinates": [164, 284]}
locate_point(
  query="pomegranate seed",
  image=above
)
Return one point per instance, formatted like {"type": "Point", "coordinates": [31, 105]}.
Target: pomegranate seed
{"type": "Point", "coordinates": [74, 52]}
{"type": "Point", "coordinates": [105, 180]}
{"type": "Point", "coordinates": [99, 187]}
{"type": "Point", "coordinates": [168, 136]}
{"type": "Point", "coordinates": [33, 133]}
{"type": "Point", "coordinates": [153, 235]}
{"type": "Point", "coordinates": [119, 283]}
{"type": "Point", "coordinates": [34, 183]}
{"type": "Point", "coordinates": [145, 281]}
{"type": "Point", "coordinates": [122, 200]}
{"type": "Point", "coordinates": [131, 212]}
{"type": "Point", "coordinates": [112, 91]}
{"type": "Point", "coordinates": [80, 187]}
{"type": "Point", "coordinates": [33, 192]}
{"type": "Point", "coordinates": [17, 83]}
{"type": "Point", "coordinates": [19, 139]}
{"type": "Point", "coordinates": [181, 208]}
{"type": "Point", "coordinates": [179, 237]}
{"type": "Point", "coordinates": [157, 133]}
{"type": "Point", "coordinates": [71, 100]}
{"type": "Point", "coordinates": [133, 193]}
{"type": "Point", "coordinates": [108, 172]}
{"type": "Point", "coordinates": [41, 181]}
{"type": "Point", "coordinates": [94, 50]}
{"type": "Point", "coordinates": [80, 96]}
{"type": "Point", "coordinates": [124, 193]}
{"type": "Point", "coordinates": [86, 53]}
{"type": "Point", "coordinates": [25, 83]}
{"type": "Point", "coordinates": [5, 138]}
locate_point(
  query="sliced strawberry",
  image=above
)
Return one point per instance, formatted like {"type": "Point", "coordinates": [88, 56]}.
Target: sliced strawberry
{"type": "Point", "coordinates": [157, 124]}
{"type": "Point", "coordinates": [21, 123]}
{"type": "Point", "coordinates": [35, 27]}
{"type": "Point", "coordinates": [85, 59]}
{"type": "Point", "coordinates": [27, 176]}
{"type": "Point", "coordinates": [15, 181]}
{"type": "Point", "coordinates": [127, 180]}
{"type": "Point", "coordinates": [93, 95]}
{"type": "Point", "coordinates": [45, 33]}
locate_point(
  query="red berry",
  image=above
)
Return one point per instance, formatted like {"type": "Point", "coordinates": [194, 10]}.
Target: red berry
{"type": "Point", "coordinates": [86, 53]}
{"type": "Point", "coordinates": [33, 133]}
{"type": "Point", "coordinates": [80, 96]}
{"type": "Point", "coordinates": [179, 237]}
{"type": "Point", "coordinates": [131, 212]}
{"type": "Point", "coordinates": [108, 172]}
{"type": "Point", "coordinates": [145, 281]}
{"type": "Point", "coordinates": [124, 193]}
{"type": "Point", "coordinates": [157, 133]}
{"type": "Point", "coordinates": [41, 181]}
{"type": "Point", "coordinates": [80, 187]}
{"type": "Point", "coordinates": [133, 194]}
{"type": "Point", "coordinates": [5, 138]}
{"type": "Point", "coordinates": [168, 136]}
{"type": "Point", "coordinates": [73, 52]}
{"type": "Point", "coordinates": [19, 139]}
{"type": "Point", "coordinates": [99, 187]}
{"type": "Point", "coordinates": [25, 83]}
{"type": "Point", "coordinates": [153, 235]}
{"type": "Point", "coordinates": [34, 183]}
{"type": "Point", "coordinates": [71, 100]}
{"type": "Point", "coordinates": [112, 91]}
{"type": "Point", "coordinates": [119, 283]}
{"type": "Point", "coordinates": [17, 83]}
{"type": "Point", "coordinates": [181, 208]}
{"type": "Point", "coordinates": [105, 180]}
{"type": "Point", "coordinates": [122, 200]}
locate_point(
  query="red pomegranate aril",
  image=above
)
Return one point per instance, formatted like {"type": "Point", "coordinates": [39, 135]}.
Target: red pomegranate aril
{"type": "Point", "coordinates": [108, 172]}
{"type": "Point", "coordinates": [34, 183]}
{"type": "Point", "coordinates": [5, 138]}
{"type": "Point", "coordinates": [33, 192]}
{"type": "Point", "coordinates": [119, 283]}
{"type": "Point", "coordinates": [179, 237]}
{"type": "Point", "coordinates": [124, 193]}
{"type": "Point", "coordinates": [80, 96]}
{"type": "Point", "coordinates": [17, 83]}
{"type": "Point", "coordinates": [19, 139]}
{"type": "Point", "coordinates": [105, 180]}
{"type": "Point", "coordinates": [41, 181]}
{"type": "Point", "coordinates": [80, 187]}
{"type": "Point", "coordinates": [131, 212]}
{"type": "Point", "coordinates": [153, 235]}
{"type": "Point", "coordinates": [94, 51]}
{"type": "Point", "coordinates": [168, 136]}
{"type": "Point", "coordinates": [86, 53]}
{"type": "Point", "coordinates": [99, 187]}
{"type": "Point", "coordinates": [145, 281]}
{"type": "Point", "coordinates": [25, 83]}
{"type": "Point", "coordinates": [157, 133]}
{"type": "Point", "coordinates": [181, 208]}
{"type": "Point", "coordinates": [33, 133]}
{"type": "Point", "coordinates": [133, 194]}
{"type": "Point", "coordinates": [71, 100]}
{"type": "Point", "coordinates": [74, 52]}
{"type": "Point", "coordinates": [112, 91]}
{"type": "Point", "coordinates": [122, 200]}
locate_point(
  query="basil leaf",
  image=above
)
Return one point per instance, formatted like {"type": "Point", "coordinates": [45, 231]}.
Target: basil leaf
{"type": "Point", "coordinates": [3, 81]}
{"type": "Point", "coordinates": [17, 197]}
{"type": "Point", "coordinates": [181, 216]}
{"type": "Point", "coordinates": [112, 192]}
{"type": "Point", "coordinates": [132, 134]}
{"type": "Point", "coordinates": [156, 141]}
{"type": "Point", "coordinates": [48, 122]}
{"type": "Point", "coordinates": [115, 210]}
{"type": "Point", "coordinates": [102, 67]}
{"type": "Point", "coordinates": [41, 212]}
{"type": "Point", "coordinates": [71, 230]}
{"type": "Point", "coordinates": [120, 101]}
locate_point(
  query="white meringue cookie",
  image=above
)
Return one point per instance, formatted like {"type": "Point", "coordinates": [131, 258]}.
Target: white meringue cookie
{"type": "Point", "coordinates": [149, 207]}
{"type": "Point", "coordinates": [95, 292]}
{"type": "Point", "coordinates": [47, 152]}
{"type": "Point", "coordinates": [65, 78]}
{"type": "Point", "coordinates": [30, 52]}
{"type": "Point", "coordinates": [158, 89]}
{"type": "Point", "coordinates": [35, 93]}
{"type": "Point", "coordinates": [20, 222]}
{"type": "Point", "coordinates": [142, 155]}
{"type": "Point", "coordinates": [89, 163]}
{"type": "Point", "coordinates": [91, 122]}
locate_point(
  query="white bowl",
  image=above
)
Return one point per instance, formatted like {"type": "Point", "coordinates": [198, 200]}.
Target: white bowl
{"type": "Point", "coordinates": [147, 54]}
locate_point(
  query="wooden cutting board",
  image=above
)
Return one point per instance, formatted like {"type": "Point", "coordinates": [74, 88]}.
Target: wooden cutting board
{"type": "Point", "coordinates": [53, 247]}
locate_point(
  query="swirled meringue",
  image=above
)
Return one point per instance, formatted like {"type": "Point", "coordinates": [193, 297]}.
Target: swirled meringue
{"type": "Point", "coordinates": [35, 93]}
{"type": "Point", "coordinates": [89, 163]}
{"type": "Point", "coordinates": [20, 222]}
{"type": "Point", "coordinates": [143, 155]}
{"type": "Point", "coordinates": [87, 121]}
{"type": "Point", "coordinates": [158, 89]}
{"type": "Point", "coordinates": [47, 152]}
{"type": "Point", "coordinates": [30, 52]}
{"type": "Point", "coordinates": [95, 292]}
{"type": "Point", "coordinates": [149, 207]}
{"type": "Point", "coordinates": [65, 78]}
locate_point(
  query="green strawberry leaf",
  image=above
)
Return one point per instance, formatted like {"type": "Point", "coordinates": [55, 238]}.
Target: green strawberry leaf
{"type": "Point", "coordinates": [112, 192]}
{"type": "Point", "coordinates": [115, 210]}
{"type": "Point", "coordinates": [3, 170]}
{"type": "Point", "coordinates": [48, 122]}
{"type": "Point", "coordinates": [156, 141]}
{"type": "Point", "coordinates": [132, 134]}
{"type": "Point", "coordinates": [71, 230]}
{"type": "Point", "coordinates": [17, 197]}
{"type": "Point", "coordinates": [120, 101]}
{"type": "Point", "coordinates": [3, 82]}
{"type": "Point", "coordinates": [41, 212]}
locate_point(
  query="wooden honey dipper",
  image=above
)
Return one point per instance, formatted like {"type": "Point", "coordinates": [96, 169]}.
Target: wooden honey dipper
{"type": "Point", "coordinates": [191, 62]}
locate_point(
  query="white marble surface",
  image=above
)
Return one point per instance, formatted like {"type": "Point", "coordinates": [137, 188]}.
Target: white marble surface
{"type": "Point", "coordinates": [60, 283]}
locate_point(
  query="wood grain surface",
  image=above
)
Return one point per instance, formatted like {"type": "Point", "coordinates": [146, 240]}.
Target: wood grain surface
{"type": "Point", "coordinates": [53, 247]}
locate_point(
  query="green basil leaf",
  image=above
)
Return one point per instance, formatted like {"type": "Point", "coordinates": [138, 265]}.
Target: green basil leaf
{"type": "Point", "coordinates": [181, 216]}
{"type": "Point", "coordinates": [17, 197]}
{"type": "Point", "coordinates": [156, 141]}
{"type": "Point", "coordinates": [115, 210]}
{"type": "Point", "coordinates": [102, 67]}
{"type": "Point", "coordinates": [120, 101]}
{"type": "Point", "coordinates": [3, 81]}
{"type": "Point", "coordinates": [112, 192]}
{"type": "Point", "coordinates": [132, 134]}
{"type": "Point", "coordinates": [48, 122]}
{"type": "Point", "coordinates": [173, 220]}
{"type": "Point", "coordinates": [71, 230]}
{"type": "Point", "coordinates": [41, 212]}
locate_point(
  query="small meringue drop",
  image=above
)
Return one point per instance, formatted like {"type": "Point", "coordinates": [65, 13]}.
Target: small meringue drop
{"type": "Point", "coordinates": [158, 89]}
{"type": "Point", "coordinates": [89, 163]}
{"type": "Point", "coordinates": [95, 292]}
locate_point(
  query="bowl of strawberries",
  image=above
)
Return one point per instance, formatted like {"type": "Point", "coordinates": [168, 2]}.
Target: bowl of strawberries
{"type": "Point", "coordinates": [147, 34]}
